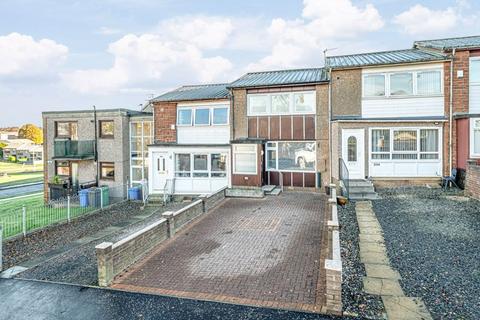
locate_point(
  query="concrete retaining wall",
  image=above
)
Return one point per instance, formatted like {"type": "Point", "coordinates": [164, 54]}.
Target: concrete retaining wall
{"type": "Point", "coordinates": [472, 181]}
{"type": "Point", "coordinates": [113, 258]}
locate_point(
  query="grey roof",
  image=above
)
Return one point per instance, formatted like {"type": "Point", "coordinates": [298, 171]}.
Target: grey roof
{"type": "Point", "coordinates": [196, 92]}
{"type": "Point", "coordinates": [280, 77]}
{"type": "Point", "coordinates": [382, 58]}
{"type": "Point", "coordinates": [450, 43]}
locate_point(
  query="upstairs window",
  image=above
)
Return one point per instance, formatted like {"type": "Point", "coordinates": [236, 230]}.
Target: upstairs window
{"type": "Point", "coordinates": [429, 82]}
{"type": "Point", "coordinates": [258, 104]}
{"type": "Point", "coordinates": [107, 128]}
{"type": "Point", "coordinates": [280, 103]}
{"type": "Point", "coordinates": [66, 130]}
{"type": "Point", "coordinates": [220, 116]}
{"type": "Point", "coordinates": [474, 70]}
{"type": "Point", "coordinates": [300, 102]}
{"type": "Point", "coordinates": [202, 117]}
{"type": "Point", "coordinates": [184, 117]}
{"type": "Point", "coordinates": [304, 102]}
{"type": "Point", "coordinates": [374, 85]}
{"type": "Point", "coordinates": [401, 84]}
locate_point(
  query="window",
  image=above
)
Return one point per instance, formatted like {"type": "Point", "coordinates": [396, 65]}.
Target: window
{"type": "Point", "coordinates": [374, 85]}
{"type": "Point", "coordinates": [352, 149]}
{"type": "Point", "coordinates": [380, 144]}
{"type": "Point", "coordinates": [218, 165]}
{"type": "Point", "coordinates": [258, 104]}
{"type": "Point", "coordinates": [405, 144]}
{"type": "Point", "coordinates": [475, 137]}
{"type": "Point", "coordinates": [429, 82]}
{"type": "Point", "coordinates": [182, 165]}
{"type": "Point", "coordinates": [66, 130]}
{"type": "Point", "coordinates": [106, 129]}
{"type": "Point", "coordinates": [474, 70]}
{"type": "Point", "coordinates": [401, 84]}
{"type": "Point", "coordinates": [304, 102]}
{"type": "Point", "coordinates": [200, 165]}
{"type": "Point", "coordinates": [280, 103]}
{"type": "Point", "coordinates": [407, 83]}
{"type": "Point", "coordinates": [107, 170]}
{"type": "Point", "coordinates": [245, 159]}
{"type": "Point", "coordinates": [291, 156]}
{"type": "Point", "coordinates": [220, 116]}
{"type": "Point", "coordinates": [429, 144]}
{"type": "Point", "coordinates": [202, 117]}
{"type": "Point", "coordinates": [62, 168]}
{"type": "Point", "coordinates": [184, 117]}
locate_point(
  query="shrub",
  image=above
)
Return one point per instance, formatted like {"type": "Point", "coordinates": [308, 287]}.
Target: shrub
{"type": "Point", "coordinates": [12, 159]}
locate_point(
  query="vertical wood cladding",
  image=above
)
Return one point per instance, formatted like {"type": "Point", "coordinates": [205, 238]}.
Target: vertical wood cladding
{"type": "Point", "coordinates": [293, 179]}
{"type": "Point", "coordinates": [250, 180]}
{"type": "Point", "coordinates": [291, 127]}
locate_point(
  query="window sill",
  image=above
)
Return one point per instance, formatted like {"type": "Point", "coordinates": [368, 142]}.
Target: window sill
{"type": "Point", "coordinates": [403, 97]}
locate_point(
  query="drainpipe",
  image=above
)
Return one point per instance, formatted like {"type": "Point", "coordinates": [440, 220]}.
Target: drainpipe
{"type": "Point", "coordinates": [450, 151]}
{"type": "Point", "coordinates": [330, 123]}
{"type": "Point", "coordinates": [97, 178]}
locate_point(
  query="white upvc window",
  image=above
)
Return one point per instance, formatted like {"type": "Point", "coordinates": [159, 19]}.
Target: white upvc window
{"type": "Point", "coordinates": [290, 156]}
{"type": "Point", "coordinates": [203, 116]}
{"type": "Point", "coordinates": [405, 144]}
{"type": "Point", "coordinates": [245, 159]}
{"type": "Point", "coordinates": [475, 137]}
{"type": "Point", "coordinates": [426, 82]}
{"type": "Point", "coordinates": [299, 102]}
{"type": "Point", "coordinates": [474, 72]}
{"type": "Point", "coordinates": [201, 165]}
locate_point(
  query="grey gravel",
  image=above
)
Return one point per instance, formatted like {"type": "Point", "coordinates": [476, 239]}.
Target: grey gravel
{"type": "Point", "coordinates": [79, 265]}
{"type": "Point", "coordinates": [433, 240]}
{"type": "Point", "coordinates": [355, 302]}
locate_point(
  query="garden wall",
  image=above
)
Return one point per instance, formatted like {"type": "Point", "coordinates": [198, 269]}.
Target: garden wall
{"type": "Point", "coordinates": [472, 181]}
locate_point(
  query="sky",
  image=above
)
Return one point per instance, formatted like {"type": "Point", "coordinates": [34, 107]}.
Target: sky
{"type": "Point", "coordinates": [67, 55]}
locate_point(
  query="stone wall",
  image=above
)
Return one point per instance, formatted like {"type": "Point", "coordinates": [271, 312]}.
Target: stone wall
{"type": "Point", "coordinates": [113, 258]}
{"type": "Point", "coordinates": [472, 181]}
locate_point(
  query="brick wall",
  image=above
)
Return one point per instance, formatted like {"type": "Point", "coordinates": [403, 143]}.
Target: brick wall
{"type": "Point", "coordinates": [472, 180]}
{"type": "Point", "coordinates": [165, 119]}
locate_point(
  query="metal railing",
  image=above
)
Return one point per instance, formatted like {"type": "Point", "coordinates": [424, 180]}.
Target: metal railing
{"type": "Point", "coordinates": [36, 215]}
{"type": "Point", "coordinates": [344, 177]}
{"type": "Point", "coordinates": [74, 149]}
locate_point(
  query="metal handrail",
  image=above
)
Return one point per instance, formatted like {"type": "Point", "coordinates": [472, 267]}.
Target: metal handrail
{"type": "Point", "coordinates": [344, 177]}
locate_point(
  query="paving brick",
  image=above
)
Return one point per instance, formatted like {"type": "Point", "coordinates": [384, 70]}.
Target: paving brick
{"type": "Point", "coordinates": [248, 251]}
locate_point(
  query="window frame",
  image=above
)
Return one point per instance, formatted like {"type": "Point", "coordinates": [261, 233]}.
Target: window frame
{"type": "Point", "coordinates": [234, 157]}
{"type": "Point", "coordinates": [106, 164]}
{"type": "Point", "coordinates": [213, 116]}
{"type": "Point", "coordinates": [101, 135]}
{"type": "Point", "coordinates": [69, 166]}
{"type": "Point", "coordinates": [195, 117]}
{"type": "Point", "coordinates": [418, 151]}
{"type": "Point", "coordinates": [195, 171]}
{"type": "Point", "coordinates": [275, 147]}
{"type": "Point", "coordinates": [477, 60]}
{"type": "Point", "coordinates": [473, 129]}
{"type": "Point", "coordinates": [57, 136]}
{"type": "Point", "coordinates": [384, 85]}
{"type": "Point", "coordinates": [413, 77]}
{"type": "Point", "coordinates": [179, 109]}
{"type": "Point", "coordinates": [217, 171]}
{"type": "Point", "coordinates": [182, 172]}
{"type": "Point", "coordinates": [291, 103]}
{"type": "Point", "coordinates": [211, 108]}
{"type": "Point", "coordinates": [414, 73]}
{"type": "Point", "coordinates": [191, 174]}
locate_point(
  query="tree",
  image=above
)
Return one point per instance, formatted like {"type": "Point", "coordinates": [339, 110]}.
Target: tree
{"type": "Point", "coordinates": [32, 132]}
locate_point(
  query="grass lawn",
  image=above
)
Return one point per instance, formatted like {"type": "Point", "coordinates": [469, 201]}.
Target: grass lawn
{"type": "Point", "coordinates": [37, 213]}
{"type": "Point", "coordinates": [10, 167]}
{"type": "Point", "coordinates": [12, 179]}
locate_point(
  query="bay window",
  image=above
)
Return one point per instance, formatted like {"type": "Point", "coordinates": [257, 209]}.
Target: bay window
{"type": "Point", "coordinates": [245, 159]}
{"type": "Point", "coordinates": [290, 156]}
{"type": "Point", "coordinates": [405, 144]}
{"type": "Point", "coordinates": [300, 102]}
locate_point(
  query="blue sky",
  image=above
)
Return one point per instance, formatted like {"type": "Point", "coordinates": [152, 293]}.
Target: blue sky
{"type": "Point", "coordinates": [64, 55]}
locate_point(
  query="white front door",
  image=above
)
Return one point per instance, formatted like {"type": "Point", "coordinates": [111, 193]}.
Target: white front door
{"type": "Point", "coordinates": [353, 152]}
{"type": "Point", "coordinates": [159, 170]}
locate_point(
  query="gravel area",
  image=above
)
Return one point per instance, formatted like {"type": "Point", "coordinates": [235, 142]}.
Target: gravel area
{"type": "Point", "coordinates": [21, 249]}
{"type": "Point", "coordinates": [355, 302]}
{"type": "Point", "coordinates": [433, 240]}
{"type": "Point", "coordinates": [79, 265]}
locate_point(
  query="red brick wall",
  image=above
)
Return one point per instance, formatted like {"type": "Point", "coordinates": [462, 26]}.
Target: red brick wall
{"type": "Point", "coordinates": [165, 116]}
{"type": "Point", "coordinates": [472, 181]}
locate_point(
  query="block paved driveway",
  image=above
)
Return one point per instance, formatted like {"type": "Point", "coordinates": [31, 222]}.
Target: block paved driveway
{"type": "Point", "coordinates": [267, 252]}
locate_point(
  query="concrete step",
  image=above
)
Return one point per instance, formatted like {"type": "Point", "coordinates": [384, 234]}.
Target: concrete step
{"type": "Point", "coordinates": [359, 189]}
{"type": "Point", "coordinates": [274, 192]}
{"type": "Point", "coordinates": [244, 193]}
{"type": "Point", "coordinates": [268, 188]}
{"type": "Point", "coordinates": [363, 196]}
{"type": "Point", "coordinates": [359, 183]}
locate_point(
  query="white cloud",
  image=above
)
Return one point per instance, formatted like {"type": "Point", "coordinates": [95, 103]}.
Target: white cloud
{"type": "Point", "coordinates": [21, 55]}
{"type": "Point", "coordinates": [149, 60]}
{"type": "Point", "coordinates": [420, 20]}
{"type": "Point", "coordinates": [206, 32]}
{"type": "Point", "coordinates": [300, 42]}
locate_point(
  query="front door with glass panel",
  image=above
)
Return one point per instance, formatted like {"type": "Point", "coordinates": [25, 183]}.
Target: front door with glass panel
{"type": "Point", "coordinates": [160, 170]}
{"type": "Point", "coordinates": [353, 152]}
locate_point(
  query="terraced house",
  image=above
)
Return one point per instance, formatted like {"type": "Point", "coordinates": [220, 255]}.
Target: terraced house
{"type": "Point", "coordinates": [390, 115]}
